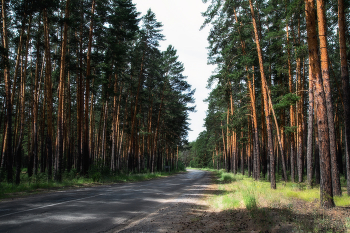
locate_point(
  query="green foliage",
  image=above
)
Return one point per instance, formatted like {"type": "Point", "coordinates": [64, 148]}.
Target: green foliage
{"type": "Point", "coordinates": [98, 171]}
{"type": "Point", "coordinates": [286, 101]}
{"type": "Point", "coordinates": [290, 129]}
{"type": "Point", "coordinates": [181, 166]}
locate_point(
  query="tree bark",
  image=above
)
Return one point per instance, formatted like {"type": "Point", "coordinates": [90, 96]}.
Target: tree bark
{"type": "Point", "coordinates": [22, 98]}
{"type": "Point", "coordinates": [345, 86]}
{"type": "Point", "coordinates": [326, 194]}
{"type": "Point", "coordinates": [322, 31]}
{"type": "Point", "coordinates": [265, 96]}
{"type": "Point", "coordinates": [310, 130]}
{"type": "Point", "coordinates": [291, 110]}
{"type": "Point", "coordinates": [86, 149]}
{"type": "Point", "coordinates": [59, 149]}
{"type": "Point", "coordinates": [48, 83]}
{"type": "Point", "coordinates": [8, 147]}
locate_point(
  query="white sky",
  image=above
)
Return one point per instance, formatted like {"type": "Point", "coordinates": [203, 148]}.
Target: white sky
{"type": "Point", "coordinates": [181, 21]}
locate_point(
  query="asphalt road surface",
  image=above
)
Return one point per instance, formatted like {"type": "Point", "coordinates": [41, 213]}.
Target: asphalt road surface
{"type": "Point", "coordinates": [110, 208]}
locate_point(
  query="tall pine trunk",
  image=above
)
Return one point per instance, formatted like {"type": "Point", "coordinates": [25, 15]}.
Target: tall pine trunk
{"type": "Point", "coordinates": [8, 145]}
{"type": "Point", "coordinates": [322, 34]}
{"type": "Point", "coordinates": [59, 149]}
{"type": "Point", "coordinates": [48, 84]}
{"type": "Point", "coordinates": [266, 105]}
{"type": "Point", "coordinates": [86, 149]}
{"type": "Point", "coordinates": [345, 86]}
{"type": "Point", "coordinates": [310, 130]}
{"type": "Point", "coordinates": [326, 194]}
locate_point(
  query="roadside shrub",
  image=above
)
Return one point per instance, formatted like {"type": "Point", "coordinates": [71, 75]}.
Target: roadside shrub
{"type": "Point", "coordinates": [181, 166]}
{"type": "Point", "coordinates": [72, 174]}
{"type": "Point", "coordinates": [227, 177]}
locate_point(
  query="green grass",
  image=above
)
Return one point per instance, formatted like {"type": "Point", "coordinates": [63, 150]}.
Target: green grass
{"type": "Point", "coordinates": [296, 191]}
{"type": "Point", "coordinates": [342, 201]}
{"type": "Point", "coordinates": [269, 208]}
{"type": "Point", "coordinates": [249, 199]}
{"type": "Point", "coordinates": [227, 177]}
{"type": "Point", "coordinates": [39, 183]}
{"type": "Point", "coordinates": [250, 191]}
{"type": "Point", "coordinates": [263, 204]}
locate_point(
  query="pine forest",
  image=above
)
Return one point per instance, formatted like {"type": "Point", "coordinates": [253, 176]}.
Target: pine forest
{"type": "Point", "coordinates": [84, 85]}
{"type": "Point", "coordinates": [279, 100]}
{"type": "Point", "coordinates": [86, 92]}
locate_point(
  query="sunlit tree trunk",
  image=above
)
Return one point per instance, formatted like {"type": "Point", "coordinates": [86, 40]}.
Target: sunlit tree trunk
{"type": "Point", "coordinates": [266, 106]}
{"type": "Point", "coordinates": [326, 194]}
{"type": "Point", "coordinates": [291, 110]}
{"type": "Point", "coordinates": [322, 33]}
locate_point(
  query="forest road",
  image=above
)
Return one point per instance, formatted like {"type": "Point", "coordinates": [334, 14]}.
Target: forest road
{"type": "Point", "coordinates": [126, 207]}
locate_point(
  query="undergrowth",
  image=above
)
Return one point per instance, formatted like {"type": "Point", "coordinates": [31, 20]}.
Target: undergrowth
{"type": "Point", "coordinates": [39, 183]}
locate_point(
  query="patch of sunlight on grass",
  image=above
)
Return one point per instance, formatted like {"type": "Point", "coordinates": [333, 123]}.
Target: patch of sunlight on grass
{"type": "Point", "coordinates": [309, 195]}
{"type": "Point", "coordinates": [229, 202]}
{"type": "Point", "coordinates": [342, 201]}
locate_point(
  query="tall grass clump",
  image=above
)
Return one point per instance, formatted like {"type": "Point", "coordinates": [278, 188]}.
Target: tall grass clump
{"type": "Point", "coordinates": [227, 177]}
{"type": "Point", "coordinates": [249, 198]}
{"type": "Point", "coordinates": [249, 202]}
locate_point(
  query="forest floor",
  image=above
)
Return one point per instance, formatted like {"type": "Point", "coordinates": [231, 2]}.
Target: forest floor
{"type": "Point", "coordinates": [236, 203]}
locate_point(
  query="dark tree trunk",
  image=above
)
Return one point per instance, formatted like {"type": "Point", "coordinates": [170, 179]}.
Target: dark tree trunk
{"type": "Point", "coordinates": [345, 85]}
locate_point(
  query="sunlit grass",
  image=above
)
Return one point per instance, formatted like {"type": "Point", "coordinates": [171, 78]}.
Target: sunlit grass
{"type": "Point", "coordinates": [259, 193]}
{"type": "Point", "coordinates": [242, 194]}
{"type": "Point", "coordinates": [344, 200]}
{"type": "Point", "coordinates": [296, 191]}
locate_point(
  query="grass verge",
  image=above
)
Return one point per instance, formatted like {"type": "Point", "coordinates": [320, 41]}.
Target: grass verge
{"type": "Point", "coordinates": [39, 183]}
{"type": "Point", "coordinates": [290, 206]}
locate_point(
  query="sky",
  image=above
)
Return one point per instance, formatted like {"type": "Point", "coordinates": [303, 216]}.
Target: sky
{"type": "Point", "coordinates": [181, 21]}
